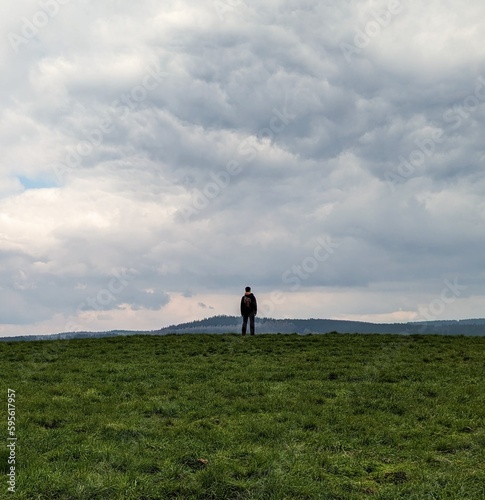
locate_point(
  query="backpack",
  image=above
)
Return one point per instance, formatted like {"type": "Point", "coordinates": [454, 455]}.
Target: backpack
{"type": "Point", "coordinates": [247, 302]}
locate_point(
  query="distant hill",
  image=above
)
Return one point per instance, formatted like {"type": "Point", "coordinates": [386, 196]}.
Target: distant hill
{"type": "Point", "coordinates": [232, 324]}
{"type": "Point", "coordinates": [226, 324]}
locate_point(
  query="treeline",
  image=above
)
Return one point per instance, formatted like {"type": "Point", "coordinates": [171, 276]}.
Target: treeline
{"type": "Point", "coordinates": [232, 324]}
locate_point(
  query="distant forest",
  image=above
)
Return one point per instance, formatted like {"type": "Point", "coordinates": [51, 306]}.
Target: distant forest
{"type": "Point", "coordinates": [232, 324]}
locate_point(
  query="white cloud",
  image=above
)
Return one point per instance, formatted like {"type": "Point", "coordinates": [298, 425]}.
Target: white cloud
{"type": "Point", "coordinates": [201, 150]}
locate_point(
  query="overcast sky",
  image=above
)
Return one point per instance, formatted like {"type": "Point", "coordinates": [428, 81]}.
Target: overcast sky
{"type": "Point", "coordinates": [157, 157]}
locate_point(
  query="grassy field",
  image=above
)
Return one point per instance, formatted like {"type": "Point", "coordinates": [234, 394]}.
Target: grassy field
{"type": "Point", "coordinates": [269, 417]}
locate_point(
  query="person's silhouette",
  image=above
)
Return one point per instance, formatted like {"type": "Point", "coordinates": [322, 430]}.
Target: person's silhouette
{"type": "Point", "coordinates": [249, 308]}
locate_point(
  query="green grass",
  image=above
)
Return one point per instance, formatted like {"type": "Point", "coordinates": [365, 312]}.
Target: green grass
{"type": "Point", "coordinates": [269, 417]}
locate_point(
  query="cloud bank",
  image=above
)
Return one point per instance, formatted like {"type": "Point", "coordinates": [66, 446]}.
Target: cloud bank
{"type": "Point", "coordinates": [157, 158]}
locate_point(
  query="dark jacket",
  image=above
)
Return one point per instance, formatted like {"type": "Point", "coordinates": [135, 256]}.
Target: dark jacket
{"type": "Point", "coordinates": [253, 308]}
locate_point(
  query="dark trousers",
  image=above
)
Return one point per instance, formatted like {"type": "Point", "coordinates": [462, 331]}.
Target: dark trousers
{"type": "Point", "coordinates": [245, 323]}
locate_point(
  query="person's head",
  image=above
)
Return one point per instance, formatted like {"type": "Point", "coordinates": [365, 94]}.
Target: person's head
{"type": "Point", "coordinates": [248, 289]}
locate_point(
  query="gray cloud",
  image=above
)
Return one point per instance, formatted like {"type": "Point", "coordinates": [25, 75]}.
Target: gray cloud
{"type": "Point", "coordinates": [203, 150]}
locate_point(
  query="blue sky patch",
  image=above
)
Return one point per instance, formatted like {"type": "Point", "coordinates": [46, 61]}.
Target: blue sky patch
{"type": "Point", "coordinates": [29, 183]}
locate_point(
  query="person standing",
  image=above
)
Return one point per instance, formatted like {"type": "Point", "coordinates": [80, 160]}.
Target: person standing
{"type": "Point", "coordinates": [249, 308]}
